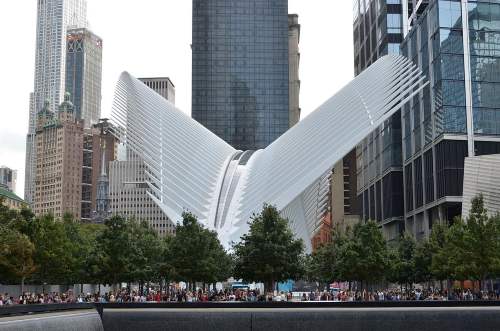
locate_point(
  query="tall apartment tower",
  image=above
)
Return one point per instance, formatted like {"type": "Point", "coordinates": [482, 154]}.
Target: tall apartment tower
{"type": "Point", "coordinates": [240, 79]}
{"type": "Point", "coordinates": [456, 43]}
{"type": "Point", "coordinates": [84, 73]}
{"type": "Point", "coordinates": [162, 85]}
{"type": "Point", "coordinates": [129, 193]}
{"type": "Point", "coordinates": [379, 28]}
{"type": "Point", "coordinates": [53, 19]}
{"type": "Point", "coordinates": [58, 177]}
{"type": "Point", "coordinates": [293, 68]}
{"type": "Point", "coordinates": [8, 178]}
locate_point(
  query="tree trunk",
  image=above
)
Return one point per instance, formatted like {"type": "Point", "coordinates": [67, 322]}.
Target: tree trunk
{"type": "Point", "coordinates": [22, 285]}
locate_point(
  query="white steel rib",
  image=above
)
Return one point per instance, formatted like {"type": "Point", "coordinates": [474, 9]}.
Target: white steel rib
{"type": "Point", "coordinates": [191, 169]}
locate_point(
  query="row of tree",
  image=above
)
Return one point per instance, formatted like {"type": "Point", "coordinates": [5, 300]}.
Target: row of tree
{"type": "Point", "coordinates": [47, 250]}
{"type": "Point", "coordinates": [467, 250]}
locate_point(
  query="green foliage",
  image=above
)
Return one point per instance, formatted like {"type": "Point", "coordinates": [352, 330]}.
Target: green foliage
{"type": "Point", "coordinates": [127, 251]}
{"type": "Point", "coordinates": [481, 243]}
{"type": "Point", "coordinates": [195, 254]}
{"type": "Point", "coordinates": [423, 262]}
{"type": "Point", "coordinates": [269, 253]}
{"type": "Point", "coordinates": [401, 262]}
{"type": "Point", "coordinates": [49, 250]}
{"type": "Point", "coordinates": [16, 256]}
{"type": "Point", "coordinates": [370, 252]}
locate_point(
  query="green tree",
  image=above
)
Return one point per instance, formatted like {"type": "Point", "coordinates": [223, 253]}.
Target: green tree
{"type": "Point", "coordinates": [437, 241]}
{"type": "Point", "coordinates": [195, 254]}
{"type": "Point", "coordinates": [53, 254]}
{"type": "Point", "coordinates": [363, 255]}
{"type": "Point", "coordinates": [16, 256]}
{"type": "Point", "coordinates": [269, 253]}
{"type": "Point", "coordinates": [115, 252]}
{"type": "Point", "coordinates": [482, 257]}
{"type": "Point", "coordinates": [423, 262]}
{"type": "Point", "coordinates": [402, 263]}
{"type": "Point", "coordinates": [89, 263]}
{"type": "Point", "coordinates": [319, 265]}
{"type": "Point", "coordinates": [144, 261]}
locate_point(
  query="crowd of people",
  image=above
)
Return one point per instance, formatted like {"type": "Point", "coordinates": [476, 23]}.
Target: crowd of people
{"type": "Point", "coordinates": [245, 295]}
{"type": "Point", "coordinates": [399, 295]}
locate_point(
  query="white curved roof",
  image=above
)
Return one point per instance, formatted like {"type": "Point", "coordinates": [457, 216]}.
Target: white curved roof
{"type": "Point", "coordinates": [192, 169]}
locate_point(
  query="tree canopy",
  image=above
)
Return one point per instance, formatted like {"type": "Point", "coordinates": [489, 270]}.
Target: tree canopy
{"type": "Point", "coordinates": [269, 252]}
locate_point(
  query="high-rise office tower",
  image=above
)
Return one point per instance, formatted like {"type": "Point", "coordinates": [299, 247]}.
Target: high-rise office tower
{"type": "Point", "coordinates": [293, 64]}
{"type": "Point", "coordinates": [53, 19]}
{"type": "Point", "coordinates": [8, 178]}
{"type": "Point", "coordinates": [379, 29]}
{"type": "Point", "coordinates": [456, 43]}
{"type": "Point", "coordinates": [240, 80]}
{"type": "Point", "coordinates": [84, 73]}
{"type": "Point", "coordinates": [410, 170]}
{"type": "Point", "coordinates": [161, 85]}
{"type": "Point", "coordinates": [58, 177]}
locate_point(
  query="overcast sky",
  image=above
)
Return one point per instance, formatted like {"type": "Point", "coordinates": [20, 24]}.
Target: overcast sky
{"type": "Point", "coordinates": [152, 38]}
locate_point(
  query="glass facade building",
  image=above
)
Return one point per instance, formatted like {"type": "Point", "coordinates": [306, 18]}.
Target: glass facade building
{"type": "Point", "coordinates": [240, 70]}
{"type": "Point", "coordinates": [379, 29]}
{"type": "Point", "coordinates": [84, 74]}
{"type": "Point", "coordinates": [410, 170]}
{"type": "Point", "coordinates": [458, 114]}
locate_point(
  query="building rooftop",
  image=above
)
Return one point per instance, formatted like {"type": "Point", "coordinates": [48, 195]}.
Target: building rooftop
{"type": "Point", "coordinates": [4, 192]}
{"type": "Point", "coordinates": [156, 79]}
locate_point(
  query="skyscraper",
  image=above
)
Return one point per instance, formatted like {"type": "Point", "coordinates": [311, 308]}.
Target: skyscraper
{"type": "Point", "coordinates": [458, 115]}
{"type": "Point", "coordinates": [58, 177]}
{"type": "Point", "coordinates": [411, 170]}
{"type": "Point", "coordinates": [240, 80]}
{"type": "Point", "coordinates": [84, 73]}
{"type": "Point", "coordinates": [379, 28]}
{"type": "Point", "coordinates": [8, 178]}
{"type": "Point", "coordinates": [53, 19]}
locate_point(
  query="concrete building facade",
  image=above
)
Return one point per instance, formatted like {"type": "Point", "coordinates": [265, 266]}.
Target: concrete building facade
{"type": "Point", "coordinates": [129, 196]}
{"type": "Point", "coordinates": [161, 85]}
{"type": "Point", "coordinates": [84, 73]}
{"type": "Point", "coordinates": [58, 179]}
